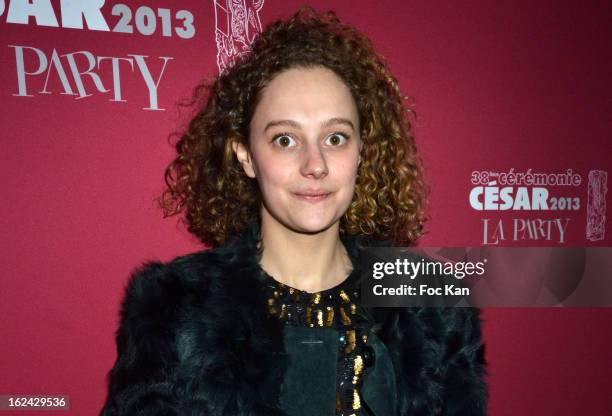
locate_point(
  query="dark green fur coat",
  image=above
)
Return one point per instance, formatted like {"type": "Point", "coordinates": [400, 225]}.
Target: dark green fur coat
{"type": "Point", "coordinates": [195, 338]}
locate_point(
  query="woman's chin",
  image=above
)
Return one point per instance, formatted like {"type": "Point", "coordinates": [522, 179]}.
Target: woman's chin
{"type": "Point", "coordinates": [313, 226]}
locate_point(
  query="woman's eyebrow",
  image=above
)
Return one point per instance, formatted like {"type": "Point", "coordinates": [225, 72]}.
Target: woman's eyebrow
{"type": "Point", "coordinates": [339, 120]}
{"type": "Point", "coordinates": [292, 123]}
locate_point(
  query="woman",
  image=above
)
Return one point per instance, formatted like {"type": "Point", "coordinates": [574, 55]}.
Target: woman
{"type": "Point", "coordinates": [300, 159]}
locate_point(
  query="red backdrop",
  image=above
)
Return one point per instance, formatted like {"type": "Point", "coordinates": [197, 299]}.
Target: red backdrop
{"type": "Point", "coordinates": [496, 86]}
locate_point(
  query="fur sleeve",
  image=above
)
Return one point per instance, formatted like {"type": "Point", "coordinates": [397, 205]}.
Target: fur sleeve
{"type": "Point", "coordinates": [465, 391]}
{"type": "Point", "coordinates": [438, 356]}
{"type": "Point", "coordinates": [142, 380]}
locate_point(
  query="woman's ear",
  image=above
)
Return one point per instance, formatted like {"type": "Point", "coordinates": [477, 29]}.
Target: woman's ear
{"type": "Point", "coordinates": [244, 157]}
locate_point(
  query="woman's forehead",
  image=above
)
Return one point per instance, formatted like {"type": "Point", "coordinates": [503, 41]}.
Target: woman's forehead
{"type": "Point", "coordinates": [306, 95]}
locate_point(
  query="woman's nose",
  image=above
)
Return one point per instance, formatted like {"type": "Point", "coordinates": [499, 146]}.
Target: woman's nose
{"type": "Point", "coordinates": [314, 163]}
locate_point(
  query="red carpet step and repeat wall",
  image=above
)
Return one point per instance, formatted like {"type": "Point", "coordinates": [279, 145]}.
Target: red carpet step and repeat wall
{"type": "Point", "coordinates": [513, 103]}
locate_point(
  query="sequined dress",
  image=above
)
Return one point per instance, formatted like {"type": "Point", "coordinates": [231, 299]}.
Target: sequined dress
{"type": "Point", "coordinates": [337, 308]}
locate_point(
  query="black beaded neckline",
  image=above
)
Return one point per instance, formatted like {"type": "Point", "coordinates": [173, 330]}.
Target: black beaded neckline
{"type": "Point", "coordinates": [332, 307]}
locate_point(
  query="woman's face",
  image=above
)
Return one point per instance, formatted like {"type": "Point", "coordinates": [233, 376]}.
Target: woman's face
{"type": "Point", "coordinates": [304, 148]}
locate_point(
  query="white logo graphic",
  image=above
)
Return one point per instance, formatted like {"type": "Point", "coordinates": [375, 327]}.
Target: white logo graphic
{"type": "Point", "coordinates": [236, 25]}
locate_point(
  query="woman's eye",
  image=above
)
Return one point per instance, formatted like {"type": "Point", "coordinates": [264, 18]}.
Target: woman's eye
{"type": "Point", "coordinates": [336, 139]}
{"type": "Point", "coordinates": [284, 140]}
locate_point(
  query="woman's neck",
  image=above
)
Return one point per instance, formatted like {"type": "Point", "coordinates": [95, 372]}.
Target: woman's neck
{"type": "Point", "coordinates": [309, 262]}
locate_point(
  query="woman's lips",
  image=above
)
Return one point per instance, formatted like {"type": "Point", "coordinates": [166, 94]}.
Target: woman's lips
{"type": "Point", "coordinates": [313, 198]}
